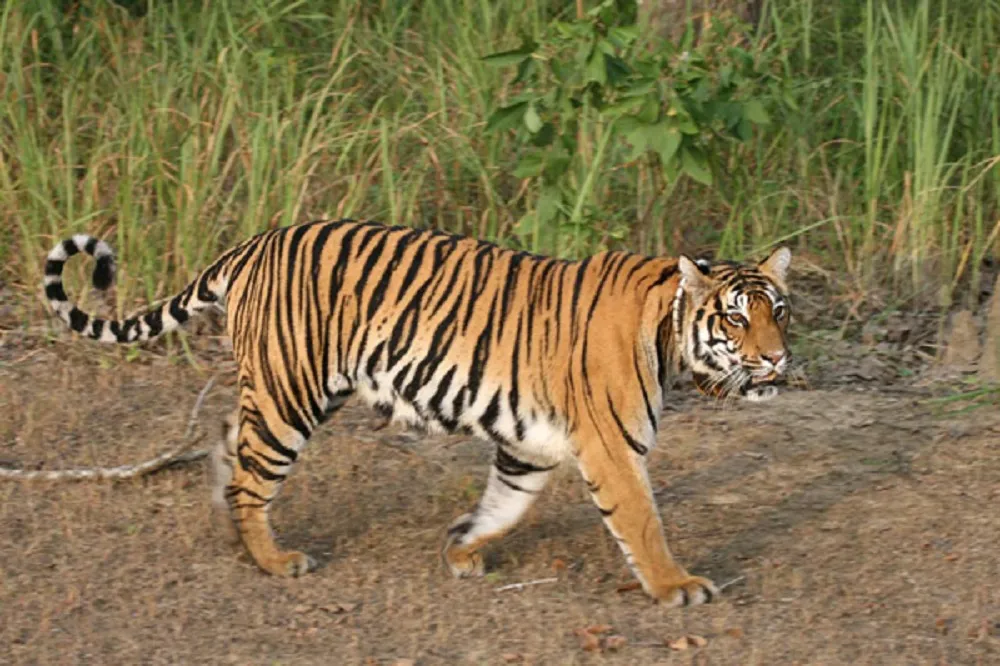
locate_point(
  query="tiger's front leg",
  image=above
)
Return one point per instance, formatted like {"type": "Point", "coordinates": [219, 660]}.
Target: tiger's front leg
{"type": "Point", "coordinates": [616, 478]}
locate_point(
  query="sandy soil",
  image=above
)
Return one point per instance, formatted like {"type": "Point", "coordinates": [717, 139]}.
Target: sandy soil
{"type": "Point", "coordinates": [860, 521]}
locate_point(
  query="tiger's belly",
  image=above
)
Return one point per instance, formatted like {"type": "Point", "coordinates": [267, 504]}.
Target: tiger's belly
{"type": "Point", "coordinates": [488, 417]}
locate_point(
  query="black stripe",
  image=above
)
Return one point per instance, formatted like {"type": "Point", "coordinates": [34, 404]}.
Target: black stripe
{"type": "Point", "coordinates": [635, 445]}
{"type": "Point", "coordinates": [377, 294]}
{"type": "Point", "coordinates": [514, 486]}
{"type": "Point", "coordinates": [90, 246]}
{"type": "Point", "coordinates": [154, 321]}
{"type": "Point", "coordinates": [78, 320]}
{"type": "Point", "coordinates": [104, 272]}
{"type": "Point", "coordinates": [462, 528]}
{"type": "Point", "coordinates": [650, 414]}
{"type": "Point", "coordinates": [54, 267]}
{"type": "Point", "coordinates": [177, 311]}
{"type": "Point", "coordinates": [55, 292]}
{"type": "Point", "coordinates": [511, 466]}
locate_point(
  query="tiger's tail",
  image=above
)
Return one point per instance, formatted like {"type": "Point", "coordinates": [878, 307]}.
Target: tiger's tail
{"type": "Point", "coordinates": [207, 290]}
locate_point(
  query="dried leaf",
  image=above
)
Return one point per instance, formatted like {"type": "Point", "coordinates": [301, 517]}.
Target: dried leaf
{"type": "Point", "coordinates": [558, 564]}
{"type": "Point", "coordinates": [951, 557]}
{"type": "Point", "coordinates": [511, 657]}
{"type": "Point", "coordinates": [615, 642]}
{"type": "Point", "coordinates": [598, 629]}
{"type": "Point", "coordinates": [698, 641]}
{"type": "Point", "coordinates": [679, 644]}
{"type": "Point", "coordinates": [734, 632]}
{"type": "Point", "coordinates": [301, 608]}
{"type": "Point", "coordinates": [588, 641]}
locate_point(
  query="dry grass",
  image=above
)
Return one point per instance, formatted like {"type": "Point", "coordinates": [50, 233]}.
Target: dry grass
{"type": "Point", "coordinates": [858, 518]}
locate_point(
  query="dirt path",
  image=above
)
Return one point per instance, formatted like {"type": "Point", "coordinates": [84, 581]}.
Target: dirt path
{"type": "Point", "coordinates": [864, 526]}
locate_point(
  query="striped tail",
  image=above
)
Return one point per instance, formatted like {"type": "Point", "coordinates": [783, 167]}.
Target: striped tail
{"type": "Point", "coordinates": [207, 290]}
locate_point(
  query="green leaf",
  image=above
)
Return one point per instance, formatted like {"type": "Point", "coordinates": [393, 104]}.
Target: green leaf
{"type": "Point", "coordinates": [694, 164]}
{"type": "Point", "coordinates": [597, 69]}
{"type": "Point", "coordinates": [624, 35]}
{"type": "Point", "coordinates": [556, 166]}
{"type": "Point", "coordinates": [617, 69]}
{"type": "Point", "coordinates": [662, 138]}
{"type": "Point", "coordinates": [744, 130]}
{"type": "Point", "coordinates": [530, 165]}
{"type": "Point", "coordinates": [545, 136]}
{"type": "Point", "coordinates": [756, 113]}
{"type": "Point", "coordinates": [507, 117]}
{"type": "Point", "coordinates": [549, 203]}
{"type": "Point", "coordinates": [513, 56]}
{"type": "Point", "coordinates": [524, 70]}
{"type": "Point", "coordinates": [532, 120]}
{"type": "Point", "coordinates": [621, 107]}
{"type": "Point", "coordinates": [650, 111]}
{"type": "Point", "coordinates": [640, 88]}
{"type": "Point", "coordinates": [668, 140]}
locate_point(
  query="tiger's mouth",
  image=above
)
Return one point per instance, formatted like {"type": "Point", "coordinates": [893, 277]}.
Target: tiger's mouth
{"type": "Point", "coordinates": [762, 380]}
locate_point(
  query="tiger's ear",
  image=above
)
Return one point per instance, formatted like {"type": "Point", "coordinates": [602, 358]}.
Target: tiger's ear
{"type": "Point", "coordinates": [696, 280]}
{"type": "Point", "coordinates": [776, 265]}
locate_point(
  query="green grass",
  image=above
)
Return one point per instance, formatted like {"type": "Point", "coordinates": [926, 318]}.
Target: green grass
{"type": "Point", "coordinates": [174, 132]}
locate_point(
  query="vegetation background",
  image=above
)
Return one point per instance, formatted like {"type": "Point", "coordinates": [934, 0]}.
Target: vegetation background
{"type": "Point", "coordinates": [175, 128]}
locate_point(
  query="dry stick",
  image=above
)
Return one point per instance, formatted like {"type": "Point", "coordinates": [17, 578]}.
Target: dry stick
{"type": "Point", "coordinates": [731, 582]}
{"type": "Point", "coordinates": [521, 586]}
{"type": "Point", "coordinates": [176, 456]}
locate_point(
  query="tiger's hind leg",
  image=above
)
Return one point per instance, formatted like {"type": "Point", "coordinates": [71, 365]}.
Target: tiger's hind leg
{"type": "Point", "coordinates": [512, 487]}
{"type": "Point", "coordinates": [222, 463]}
{"type": "Point", "coordinates": [265, 450]}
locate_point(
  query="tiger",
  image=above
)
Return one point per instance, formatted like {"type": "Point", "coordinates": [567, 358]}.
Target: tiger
{"type": "Point", "coordinates": [547, 359]}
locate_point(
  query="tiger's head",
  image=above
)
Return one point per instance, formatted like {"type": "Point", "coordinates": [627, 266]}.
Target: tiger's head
{"type": "Point", "coordinates": [732, 320]}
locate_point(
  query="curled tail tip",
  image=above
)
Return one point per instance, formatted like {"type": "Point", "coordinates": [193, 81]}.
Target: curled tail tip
{"type": "Point", "coordinates": [104, 271]}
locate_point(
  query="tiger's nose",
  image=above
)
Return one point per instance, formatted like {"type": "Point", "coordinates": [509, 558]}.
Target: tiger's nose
{"type": "Point", "coordinates": [774, 358]}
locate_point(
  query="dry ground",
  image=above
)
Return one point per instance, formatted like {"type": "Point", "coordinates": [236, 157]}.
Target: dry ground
{"type": "Point", "coordinates": [862, 520]}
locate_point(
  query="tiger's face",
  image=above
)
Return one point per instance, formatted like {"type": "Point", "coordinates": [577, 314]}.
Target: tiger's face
{"type": "Point", "coordinates": [733, 320]}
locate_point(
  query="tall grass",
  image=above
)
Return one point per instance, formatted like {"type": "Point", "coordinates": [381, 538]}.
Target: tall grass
{"type": "Point", "coordinates": [175, 129]}
{"type": "Point", "coordinates": [894, 145]}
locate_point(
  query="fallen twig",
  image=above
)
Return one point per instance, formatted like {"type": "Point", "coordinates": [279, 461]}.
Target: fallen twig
{"type": "Point", "coordinates": [528, 583]}
{"type": "Point", "coordinates": [176, 456]}
{"type": "Point", "coordinates": [732, 582]}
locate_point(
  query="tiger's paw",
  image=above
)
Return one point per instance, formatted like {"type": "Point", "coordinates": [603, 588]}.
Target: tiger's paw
{"type": "Point", "coordinates": [463, 560]}
{"type": "Point", "coordinates": [290, 564]}
{"type": "Point", "coordinates": [464, 563]}
{"type": "Point", "coordinates": [690, 591]}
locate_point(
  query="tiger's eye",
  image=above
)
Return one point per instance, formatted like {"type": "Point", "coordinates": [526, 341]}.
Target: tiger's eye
{"type": "Point", "coordinates": [737, 319]}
